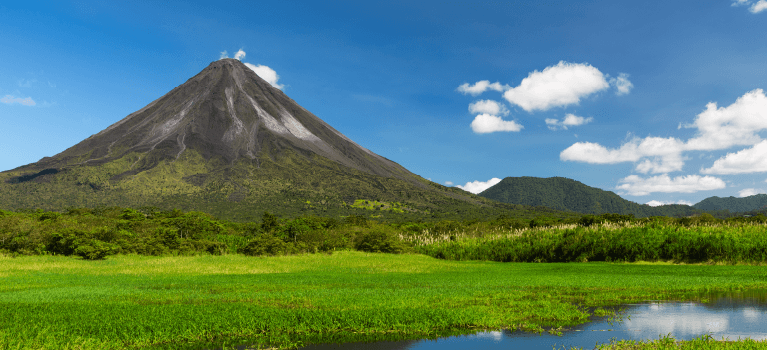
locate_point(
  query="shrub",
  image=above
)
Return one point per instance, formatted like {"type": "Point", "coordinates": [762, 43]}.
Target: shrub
{"type": "Point", "coordinates": [380, 242]}
{"type": "Point", "coordinates": [267, 245]}
{"type": "Point", "coordinates": [95, 249]}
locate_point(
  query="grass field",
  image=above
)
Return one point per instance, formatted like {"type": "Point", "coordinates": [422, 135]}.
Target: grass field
{"type": "Point", "coordinates": [129, 301]}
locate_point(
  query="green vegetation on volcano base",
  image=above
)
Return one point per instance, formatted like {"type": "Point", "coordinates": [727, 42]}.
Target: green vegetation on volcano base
{"type": "Point", "coordinates": [290, 186]}
{"type": "Point", "coordinates": [132, 302]}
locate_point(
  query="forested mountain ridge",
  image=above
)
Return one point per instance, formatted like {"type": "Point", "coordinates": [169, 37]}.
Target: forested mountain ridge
{"type": "Point", "coordinates": [733, 204]}
{"type": "Point", "coordinates": [566, 194]}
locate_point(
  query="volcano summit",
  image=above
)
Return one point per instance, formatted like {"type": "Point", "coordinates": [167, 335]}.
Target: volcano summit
{"type": "Point", "coordinates": [228, 143]}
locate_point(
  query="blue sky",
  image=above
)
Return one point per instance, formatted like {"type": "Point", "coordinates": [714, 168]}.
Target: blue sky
{"type": "Point", "coordinates": [657, 101]}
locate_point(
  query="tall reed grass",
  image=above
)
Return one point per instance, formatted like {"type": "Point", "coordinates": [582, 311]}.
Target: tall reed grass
{"type": "Point", "coordinates": [623, 241]}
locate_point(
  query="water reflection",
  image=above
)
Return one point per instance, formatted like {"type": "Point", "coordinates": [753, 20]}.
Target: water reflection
{"type": "Point", "coordinates": [729, 315]}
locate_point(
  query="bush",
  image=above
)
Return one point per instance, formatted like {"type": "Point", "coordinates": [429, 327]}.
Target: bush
{"type": "Point", "coordinates": [267, 245]}
{"type": "Point", "coordinates": [380, 242]}
{"type": "Point", "coordinates": [95, 249]}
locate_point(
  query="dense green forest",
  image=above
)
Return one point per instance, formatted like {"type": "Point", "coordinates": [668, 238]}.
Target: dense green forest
{"type": "Point", "coordinates": [98, 233]}
{"type": "Point", "coordinates": [745, 204]}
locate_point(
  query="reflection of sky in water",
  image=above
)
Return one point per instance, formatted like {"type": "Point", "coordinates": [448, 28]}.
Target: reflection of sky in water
{"type": "Point", "coordinates": [729, 316]}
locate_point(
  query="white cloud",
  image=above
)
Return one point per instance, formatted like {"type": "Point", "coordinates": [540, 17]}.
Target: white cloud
{"type": "Point", "coordinates": [750, 192]}
{"type": "Point", "coordinates": [10, 99]}
{"type": "Point", "coordinates": [223, 55]}
{"type": "Point", "coordinates": [754, 7]}
{"type": "Point", "coordinates": [449, 183]}
{"type": "Point", "coordinates": [665, 152]}
{"type": "Point", "coordinates": [486, 123]}
{"type": "Point", "coordinates": [556, 86]}
{"type": "Point", "coordinates": [750, 160]}
{"type": "Point", "coordinates": [480, 87]}
{"type": "Point", "coordinates": [266, 73]}
{"type": "Point", "coordinates": [718, 128]}
{"type": "Point", "coordinates": [488, 107]}
{"type": "Point", "coordinates": [239, 55]}
{"type": "Point", "coordinates": [479, 186]}
{"type": "Point", "coordinates": [637, 186]}
{"type": "Point", "coordinates": [622, 84]}
{"type": "Point", "coordinates": [735, 125]}
{"type": "Point", "coordinates": [655, 203]}
{"type": "Point", "coordinates": [759, 6]}
{"type": "Point", "coordinates": [569, 120]}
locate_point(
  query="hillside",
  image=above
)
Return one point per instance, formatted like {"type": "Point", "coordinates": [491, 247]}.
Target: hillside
{"type": "Point", "coordinates": [228, 143]}
{"type": "Point", "coordinates": [733, 204]}
{"type": "Point", "coordinates": [565, 194]}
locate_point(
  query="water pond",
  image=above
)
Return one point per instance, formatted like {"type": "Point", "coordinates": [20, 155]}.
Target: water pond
{"type": "Point", "coordinates": [727, 315]}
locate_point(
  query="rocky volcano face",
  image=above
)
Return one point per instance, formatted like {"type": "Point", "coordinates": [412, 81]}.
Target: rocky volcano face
{"type": "Point", "coordinates": [225, 111]}
{"type": "Point", "coordinates": [228, 143]}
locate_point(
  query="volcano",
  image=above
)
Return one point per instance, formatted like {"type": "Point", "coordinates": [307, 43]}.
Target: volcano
{"type": "Point", "coordinates": [228, 143]}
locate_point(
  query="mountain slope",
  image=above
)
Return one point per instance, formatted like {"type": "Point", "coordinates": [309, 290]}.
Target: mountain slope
{"type": "Point", "coordinates": [228, 143]}
{"type": "Point", "coordinates": [733, 204]}
{"type": "Point", "coordinates": [565, 194]}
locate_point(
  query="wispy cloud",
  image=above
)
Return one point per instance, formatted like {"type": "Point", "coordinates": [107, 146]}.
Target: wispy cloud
{"type": "Point", "coordinates": [10, 99]}
{"type": "Point", "coordinates": [754, 6]}
{"type": "Point", "coordinates": [488, 107]}
{"type": "Point", "coordinates": [637, 186]}
{"type": "Point", "coordinates": [479, 186]}
{"type": "Point", "coordinates": [240, 54]}
{"type": "Point", "coordinates": [556, 86]}
{"type": "Point", "coordinates": [480, 87]}
{"type": "Point", "coordinates": [223, 55]}
{"type": "Point", "coordinates": [487, 123]}
{"type": "Point", "coordinates": [622, 84]}
{"type": "Point", "coordinates": [568, 120]}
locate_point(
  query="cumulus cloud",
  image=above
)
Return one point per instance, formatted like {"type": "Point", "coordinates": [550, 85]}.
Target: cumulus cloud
{"type": "Point", "coordinates": [480, 87]}
{"type": "Point", "coordinates": [665, 154]}
{"type": "Point", "coordinates": [449, 183]}
{"type": "Point", "coordinates": [718, 128]}
{"type": "Point", "coordinates": [750, 160]}
{"type": "Point", "coordinates": [637, 186]}
{"type": "Point", "coordinates": [487, 123]}
{"type": "Point", "coordinates": [488, 107]}
{"type": "Point", "coordinates": [655, 203]}
{"type": "Point", "coordinates": [750, 192]}
{"type": "Point", "coordinates": [479, 186]}
{"type": "Point", "coordinates": [735, 125]}
{"type": "Point", "coordinates": [622, 84]}
{"type": "Point", "coordinates": [239, 55]}
{"type": "Point", "coordinates": [223, 55]}
{"type": "Point", "coordinates": [556, 86]}
{"type": "Point", "coordinates": [266, 73]}
{"type": "Point", "coordinates": [10, 99]}
{"type": "Point", "coordinates": [569, 120]}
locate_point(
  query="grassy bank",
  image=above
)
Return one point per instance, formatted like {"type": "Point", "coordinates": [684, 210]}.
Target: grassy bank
{"type": "Point", "coordinates": [129, 301]}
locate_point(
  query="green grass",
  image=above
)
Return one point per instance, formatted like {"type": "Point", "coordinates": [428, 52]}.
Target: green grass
{"type": "Point", "coordinates": [704, 342]}
{"type": "Point", "coordinates": [128, 301]}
